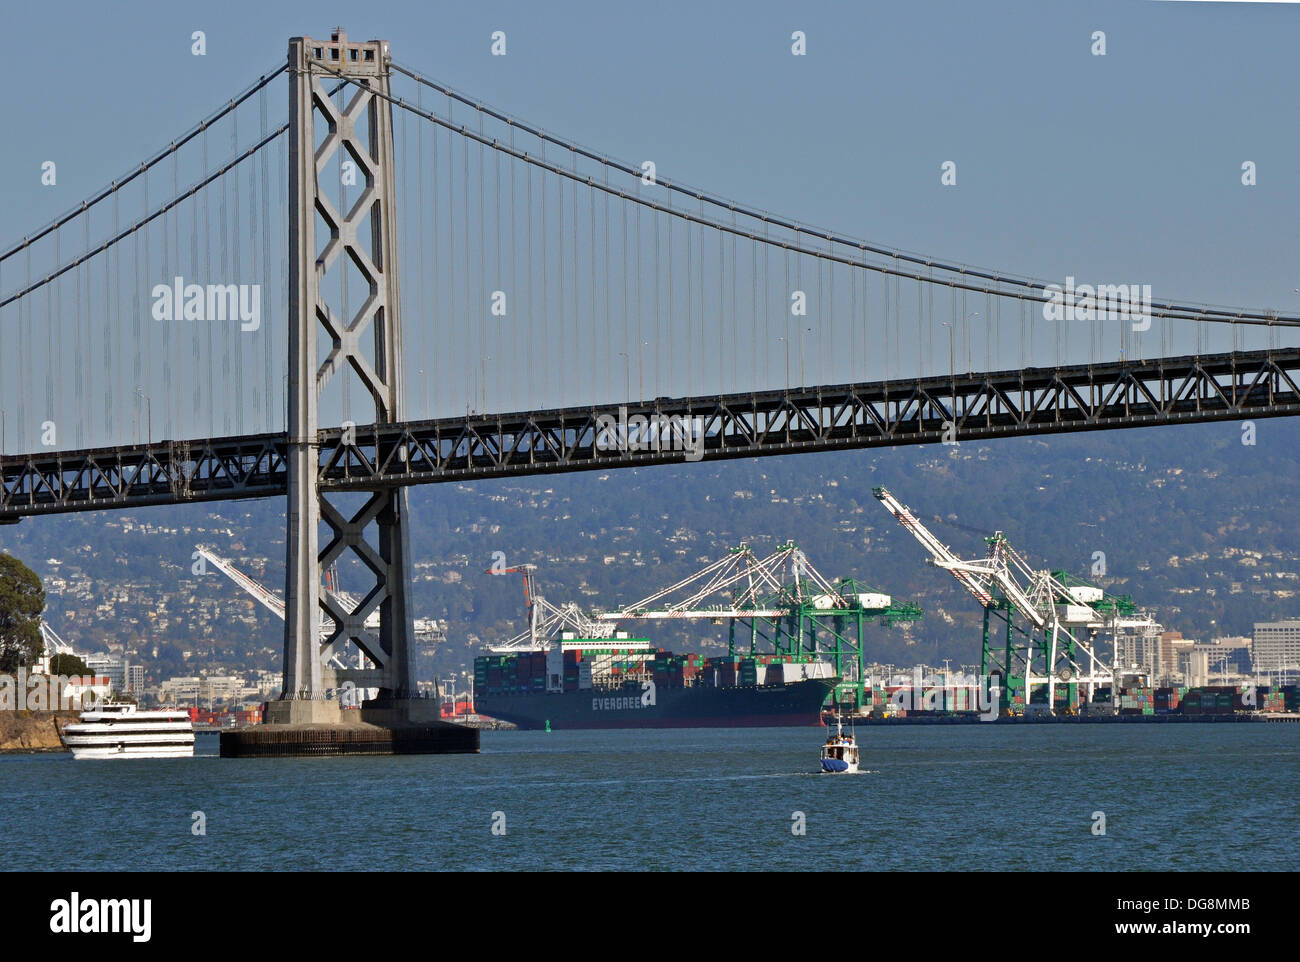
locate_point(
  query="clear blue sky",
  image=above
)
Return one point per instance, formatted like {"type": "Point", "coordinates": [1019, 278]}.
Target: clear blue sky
{"type": "Point", "coordinates": [1118, 165]}
{"type": "Point", "coordinates": [1124, 168]}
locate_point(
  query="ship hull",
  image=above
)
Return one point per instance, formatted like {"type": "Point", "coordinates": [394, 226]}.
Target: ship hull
{"type": "Point", "coordinates": [760, 706]}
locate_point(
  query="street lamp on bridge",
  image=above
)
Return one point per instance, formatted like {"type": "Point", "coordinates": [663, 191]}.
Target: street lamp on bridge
{"type": "Point", "coordinates": [970, 367]}
{"type": "Point", "coordinates": [952, 369]}
{"type": "Point", "coordinates": [803, 382]}
{"type": "Point", "coordinates": [148, 406]}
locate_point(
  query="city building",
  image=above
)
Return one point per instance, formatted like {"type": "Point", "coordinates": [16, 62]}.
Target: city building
{"type": "Point", "coordinates": [134, 679]}
{"type": "Point", "coordinates": [180, 690]}
{"type": "Point", "coordinates": [268, 684]}
{"type": "Point", "coordinates": [206, 690]}
{"type": "Point", "coordinates": [1276, 647]}
{"type": "Point", "coordinates": [111, 666]}
{"type": "Point", "coordinates": [1137, 648]}
{"type": "Point", "coordinates": [1171, 664]}
{"type": "Point", "coordinates": [1226, 657]}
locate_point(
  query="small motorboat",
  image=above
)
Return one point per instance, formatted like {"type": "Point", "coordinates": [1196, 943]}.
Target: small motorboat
{"type": "Point", "coordinates": [840, 753]}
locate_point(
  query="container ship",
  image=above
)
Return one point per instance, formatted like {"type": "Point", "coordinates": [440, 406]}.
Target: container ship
{"type": "Point", "coordinates": [623, 682]}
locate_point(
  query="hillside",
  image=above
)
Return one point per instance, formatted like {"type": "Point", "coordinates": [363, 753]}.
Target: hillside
{"type": "Point", "coordinates": [1191, 522]}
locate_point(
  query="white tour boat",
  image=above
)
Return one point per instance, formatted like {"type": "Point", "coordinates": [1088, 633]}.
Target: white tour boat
{"type": "Point", "coordinates": [840, 753]}
{"type": "Point", "coordinates": [125, 731]}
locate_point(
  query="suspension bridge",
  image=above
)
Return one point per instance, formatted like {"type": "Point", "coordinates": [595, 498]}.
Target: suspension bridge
{"type": "Point", "coordinates": [351, 278]}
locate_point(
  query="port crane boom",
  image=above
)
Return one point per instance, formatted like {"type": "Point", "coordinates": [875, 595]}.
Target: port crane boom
{"type": "Point", "coordinates": [781, 599]}
{"type": "Point", "coordinates": [1004, 580]}
{"type": "Point", "coordinates": [967, 575]}
{"type": "Point", "coordinates": [267, 598]}
{"type": "Point", "coordinates": [546, 618]}
{"type": "Point", "coordinates": [764, 592]}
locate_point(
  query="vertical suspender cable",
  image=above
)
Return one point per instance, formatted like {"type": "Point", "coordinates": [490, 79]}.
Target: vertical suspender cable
{"type": "Point", "coordinates": [78, 348]}
{"type": "Point", "coordinates": [230, 338]}
{"type": "Point", "coordinates": [666, 330]}
{"type": "Point", "coordinates": [690, 306]}
{"type": "Point", "coordinates": [735, 314]}
{"type": "Point", "coordinates": [701, 384]}
{"type": "Point", "coordinates": [997, 328]}
{"type": "Point", "coordinates": [116, 302]}
{"type": "Point", "coordinates": [798, 283]}
{"type": "Point", "coordinates": [209, 399]}
{"type": "Point", "coordinates": [425, 361]}
{"type": "Point", "coordinates": [561, 340]}
{"type": "Point", "coordinates": [786, 339]}
{"type": "Point", "coordinates": [853, 325]}
{"type": "Point", "coordinates": [662, 336]}
{"type": "Point", "coordinates": [140, 309]}
{"type": "Point", "coordinates": [545, 332]}
{"type": "Point", "coordinates": [753, 313]}
{"type": "Point", "coordinates": [48, 367]}
{"type": "Point", "coordinates": [821, 314]}
{"type": "Point", "coordinates": [480, 322]}
{"type": "Point", "coordinates": [928, 368]}
{"type": "Point", "coordinates": [499, 283]}
{"type": "Point", "coordinates": [453, 330]}
{"type": "Point", "coordinates": [829, 341]}
{"type": "Point", "coordinates": [988, 324]}
{"type": "Point", "coordinates": [898, 321]}
{"type": "Point", "coordinates": [866, 323]}
{"type": "Point", "coordinates": [516, 360]}
{"type": "Point", "coordinates": [24, 362]}
{"type": "Point", "coordinates": [404, 254]}
{"type": "Point", "coordinates": [250, 379]}
{"type": "Point", "coordinates": [268, 321]}
{"type": "Point", "coordinates": [577, 360]}
{"type": "Point", "coordinates": [469, 299]}
{"type": "Point", "coordinates": [636, 264]}
{"type": "Point", "coordinates": [920, 327]}
{"type": "Point", "coordinates": [722, 313]}
{"type": "Point", "coordinates": [884, 301]}
{"type": "Point", "coordinates": [627, 307]}
{"type": "Point", "coordinates": [137, 404]}
{"type": "Point", "coordinates": [767, 314]}
{"type": "Point", "coordinates": [606, 319]}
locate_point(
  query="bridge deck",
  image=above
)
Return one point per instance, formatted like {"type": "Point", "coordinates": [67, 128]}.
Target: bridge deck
{"type": "Point", "coordinates": [1012, 403]}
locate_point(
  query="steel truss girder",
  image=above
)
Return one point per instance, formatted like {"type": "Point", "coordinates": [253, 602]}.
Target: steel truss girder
{"type": "Point", "coordinates": [1002, 404]}
{"type": "Point", "coordinates": [1184, 390]}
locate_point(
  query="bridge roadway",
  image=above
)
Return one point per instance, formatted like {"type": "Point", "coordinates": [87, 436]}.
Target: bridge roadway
{"type": "Point", "coordinates": [1013, 403]}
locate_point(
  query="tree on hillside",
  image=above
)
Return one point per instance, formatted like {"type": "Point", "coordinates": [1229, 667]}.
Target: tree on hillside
{"type": "Point", "coordinates": [22, 599]}
{"type": "Point", "coordinates": [69, 666]}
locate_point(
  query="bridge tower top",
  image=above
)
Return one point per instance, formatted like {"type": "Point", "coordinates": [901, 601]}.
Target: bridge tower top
{"type": "Point", "coordinates": [370, 58]}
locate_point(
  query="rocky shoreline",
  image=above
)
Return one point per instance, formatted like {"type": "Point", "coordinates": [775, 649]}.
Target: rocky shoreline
{"type": "Point", "coordinates": [34, 731]}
